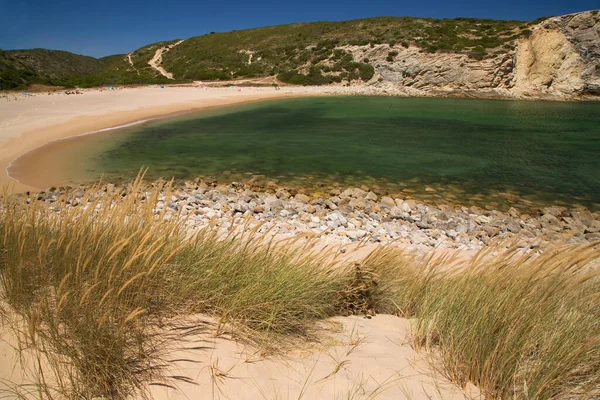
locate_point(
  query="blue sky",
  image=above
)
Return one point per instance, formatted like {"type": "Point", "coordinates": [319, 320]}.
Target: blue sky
{"type": "Point", "coordinates": [100, 28]}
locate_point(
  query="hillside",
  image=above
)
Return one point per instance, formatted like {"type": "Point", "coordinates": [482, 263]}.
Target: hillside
{"type": "Point", "coordinates": [410, 55]}
{"type": "Point", "coordinates": [19, 68]}
{"type": "Point", "coordinates": [317, 50]}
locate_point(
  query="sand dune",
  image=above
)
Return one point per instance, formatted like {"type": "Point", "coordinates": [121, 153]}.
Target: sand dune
{"type": "Point", "coordinates": [369, 358]}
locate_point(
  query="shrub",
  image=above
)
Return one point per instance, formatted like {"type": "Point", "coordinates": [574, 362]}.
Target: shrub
{"type": "Point", "coordinates": [391, 56]}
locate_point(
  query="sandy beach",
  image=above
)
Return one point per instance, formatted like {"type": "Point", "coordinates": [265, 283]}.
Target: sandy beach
{"type": "Point", "coordinates": [357, 356]}
{"type": "Point", "coordinates": [373, 353]}
{"type": "Point", "coordinates": [32, 121]}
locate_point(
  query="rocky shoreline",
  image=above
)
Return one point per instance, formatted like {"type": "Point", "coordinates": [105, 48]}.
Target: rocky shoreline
{"type": "Point", "coordinates": [358, 215]}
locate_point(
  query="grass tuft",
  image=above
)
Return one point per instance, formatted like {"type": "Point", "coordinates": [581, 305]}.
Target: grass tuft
{"type": "Point", "coordinates": [518, 325]}
{"type": "Point", "coordinates": [97, 283]}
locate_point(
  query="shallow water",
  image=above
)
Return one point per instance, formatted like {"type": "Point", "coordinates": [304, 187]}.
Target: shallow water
{"type": "Point", "coordinates": [460, 151]}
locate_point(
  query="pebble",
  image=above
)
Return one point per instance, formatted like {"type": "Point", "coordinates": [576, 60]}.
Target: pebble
{"type": "Point", "coordinates": [356, 214]}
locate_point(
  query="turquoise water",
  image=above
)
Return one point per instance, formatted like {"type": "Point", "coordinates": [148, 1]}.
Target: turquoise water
{"type": "Point", "coordinates": [469, 151]}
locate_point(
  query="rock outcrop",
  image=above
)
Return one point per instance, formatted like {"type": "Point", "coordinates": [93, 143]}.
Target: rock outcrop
{"type": "Point", "coordinates": [559, 59]}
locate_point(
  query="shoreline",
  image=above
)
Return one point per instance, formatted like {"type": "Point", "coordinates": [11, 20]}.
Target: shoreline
{"type": "Point", "coordinates": [12, 163]}
{"type": "Point", "coordinates": [19, 140]}
{"type": "Point", "coordinates": [350, 217]}
{"type": "Point", "coordinates": [99, 111]}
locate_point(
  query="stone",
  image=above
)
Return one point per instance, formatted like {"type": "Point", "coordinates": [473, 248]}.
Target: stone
{"type": "Point", "coordinates": [405, 207]}
{"type": "Point", "coordinates": [513, 226]}
{"type": "Point", "coordinates": [353, 193]}
{"type": "Point", "coordinates": [331, 205]}
{"type": "Point", "coordinates": [593, 227]}
{"type": "Point", "coordinates": [550, 222]}
{"type": "Point", "coordinates": [275, 206]}
{"type": "Point", "coordinates": [282, 194]}
{"type": "Point", "coordinates": [302, 198]}
{"type": "Point", "coordinates": [461, 228]}
{"type": "Point", "coordinates": [371, 196]}
{"type": "Point", "coordinates": [397, 213]}
{"type": "Point", "coordinates": [239, 207]}
{"type": "Point", "coordinates": [199, 196]}
{"type": "Point", "coordinates": [357, 204]}
{"type": "Point", "coordinates": [513, 212]}
{"type": "Point", "coordinates": [482, 219]}
{"type": "Point", "coordinates": [583, 216]}
{"type": "Point", "coordinates": [491, 231]}
{"type": "Point", "coordinates": [411, 204]}
{"type": "Point", "coordinates": [556, 211]}
{"type": "Point", "coordinates": [335, 199]}
{"type": "Point", "coordinates": [388, 201]}
{"type": "Point", "coordinates": [592, 237]}
{"type": "Point", "coordinates": [337, 217]}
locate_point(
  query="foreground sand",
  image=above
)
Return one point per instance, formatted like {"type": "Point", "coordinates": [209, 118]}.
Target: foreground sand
{"type": "Point", "coordinates": [368, 359]}
{"type": "Point", "coordinates": [30, 122]}
{"type": "Point", "coordinates": [362, 359]}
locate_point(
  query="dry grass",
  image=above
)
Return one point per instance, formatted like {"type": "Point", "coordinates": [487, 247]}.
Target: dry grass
{"type": "Point", "coordinates": [523, 326]}
{"type": "Point", "coordinates": [95, 286]}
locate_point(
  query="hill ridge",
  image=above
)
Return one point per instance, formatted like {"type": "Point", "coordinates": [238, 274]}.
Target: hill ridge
{"type": "Point", "coordinates": [407, 54]}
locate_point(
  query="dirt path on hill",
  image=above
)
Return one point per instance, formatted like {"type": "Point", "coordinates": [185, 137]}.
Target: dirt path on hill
{"type": "Point", "coordinates": [131, 63]}
{"type": "Point", "coordinates": [156, 61]}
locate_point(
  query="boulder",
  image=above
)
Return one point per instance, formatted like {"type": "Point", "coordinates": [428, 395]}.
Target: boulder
{"type": "Point", "coordinates": [550, 222]}
{"type": "Point", "coordinates": [513, 212]}
{"type": "Point", "coordinates": [556, 211]}
{"type": "Point", "coordinates": [371, 196]}
{"type": "Point", "coordinates": [583, 216]}
{"type": "Point", "coordinates": [302, 198]}
{"type": "Point", "coordinates": [388, 201]}
{"type": "Point", "coordinates": [355, 193]}
{"type": "Point", "coordinates": [357, 204]}
{"type": "Point", "coordinates": [513, 226]}
{"type": "Point", "coordinates": [405, 207]}
{"type": "Point", "coordinates": [491, 231]}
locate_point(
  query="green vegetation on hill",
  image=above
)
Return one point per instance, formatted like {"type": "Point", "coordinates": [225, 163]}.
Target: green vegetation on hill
{"type": "Point", "coordinates": [303, 53]}
{"type": "Point", "coordinates": [20, 68]}
{"type": "Point", "coordinates": [311, 53]}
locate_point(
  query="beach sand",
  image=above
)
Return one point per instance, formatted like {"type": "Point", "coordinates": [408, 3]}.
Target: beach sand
{"type": "Point", "coordinates": [30, 122]}
{"type": "Point", "coordinates": [371, 358]}
{"type": "Point", "coordinates": [366, 359]}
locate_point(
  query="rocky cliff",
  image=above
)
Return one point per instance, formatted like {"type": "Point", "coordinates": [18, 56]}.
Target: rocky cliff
{"type": "Point", "coordinates": [560, 58]}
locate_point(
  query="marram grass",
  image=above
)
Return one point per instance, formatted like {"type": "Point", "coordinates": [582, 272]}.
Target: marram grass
{"type": "Point", "coordinates": [524, 326]}
{"type": "Point", "coordinates": [95, 285]}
